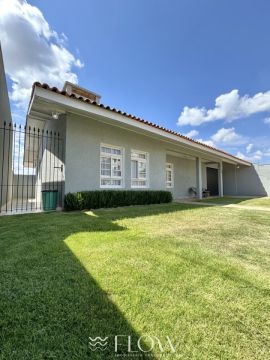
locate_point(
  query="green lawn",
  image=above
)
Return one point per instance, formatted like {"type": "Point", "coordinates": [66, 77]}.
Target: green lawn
{"type": "Point", "coordinates": [200, 275]}
{"type": "Point", "coordinates": [260, 202]}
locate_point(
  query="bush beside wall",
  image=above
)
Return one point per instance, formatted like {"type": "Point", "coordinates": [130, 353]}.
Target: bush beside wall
{"type": "Point", "coordinates": [113, 198]}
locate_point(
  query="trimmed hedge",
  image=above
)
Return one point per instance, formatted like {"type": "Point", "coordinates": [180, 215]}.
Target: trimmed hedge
{"type": "Point", "coordinates": [113, 198]}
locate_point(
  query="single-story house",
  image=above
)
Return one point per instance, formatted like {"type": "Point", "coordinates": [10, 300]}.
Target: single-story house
{"type": "Point", "coordinates": [105, 148]}
{"type": "Point", "coordinates": [72, 142]}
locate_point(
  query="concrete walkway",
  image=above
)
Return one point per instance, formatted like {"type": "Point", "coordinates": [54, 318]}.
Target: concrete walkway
{"type": "Point", "coordinates": [236, 206]}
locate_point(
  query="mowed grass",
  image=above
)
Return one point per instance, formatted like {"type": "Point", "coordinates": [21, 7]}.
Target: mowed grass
{"type": "Point", "coordinates": [259, 202]}
{"type": "Point", "coordinates": [198, 275]}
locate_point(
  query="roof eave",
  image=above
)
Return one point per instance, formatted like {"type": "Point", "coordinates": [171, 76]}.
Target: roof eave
{"type": "Point", "coordinates": [53, 95]}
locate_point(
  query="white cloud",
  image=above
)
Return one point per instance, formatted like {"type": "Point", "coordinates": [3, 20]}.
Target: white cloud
{"type": "Point", "coordinates": [249, 147]}
{"type": "Point", "coordinates": [229, 106]}
{"type": "Point", "coordinates": [229, 139]}
{"type": "Point", "coordinates": [192, 133]}
{"type": "Point", "coordinates": [32, 50]}
{"type": "Point", "coordinates": [207, 142]}
{"type": "Point", "coordinates": [266, 153]}
{"type": "Point", "coordinates": [254, 157]}
{"type": "Point", "coordinates": [267, 121]}
{"type": "Point", "coordinates": [226, 136]}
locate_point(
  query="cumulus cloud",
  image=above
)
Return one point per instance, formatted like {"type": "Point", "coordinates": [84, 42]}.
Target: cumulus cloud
{"type": "Point", "coordinates": [229, 106]}
{"type": "Point", "coordinates": [229, 139]}
{"type": "Point", "coordinates": [192, 133]}
{"type": "Point", "coordinates": [267, 153]}
{"type": "Point", "coordinates": [32, 50]}
{"type": "Point", "coordinates": [249, 147]}
{"type": "Point", "coordinates": [207, 142]}
{"type": "Point", "coordinates": [227, 136]}
{"type": "Point", "coordinates": [254, 157]}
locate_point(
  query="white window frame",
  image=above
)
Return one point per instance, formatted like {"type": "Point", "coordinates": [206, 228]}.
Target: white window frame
{"type": "Point", "coordinates": [121, 157]}
{"type": "Point", "coordinates": [170, 168]}
{"type": "Point", "coordinates": [146, 161]}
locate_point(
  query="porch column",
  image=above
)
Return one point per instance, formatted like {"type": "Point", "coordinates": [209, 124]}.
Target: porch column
{"type": "Point", "coordinates": [220, 179]}
{"type": "Point", "coordinates": [199, 177]}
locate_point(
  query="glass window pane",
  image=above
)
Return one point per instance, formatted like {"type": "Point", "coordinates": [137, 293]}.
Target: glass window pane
{"type": "Point", "coordinates": [105, 166]}
{"type": "Point", "coordinates": [169, 175]}
{"type": "Point", "coordinates": [116, 167]}
{"type": "Point", "coordinates": [110, 150]}
{"type": "Point", "coordinates": [105, 150]}
{"type": "Point", "coordinates": [142, 169]}
{"type": "Point", "coordinates": [110, 167]}
{"type": "Point", "coordinates": [134, 169]}
{"type": "Point", "coordinates": [110, 182]}
{"type": "Point", "coordinates": [105, 182]}
{"type": "Point", "coordinates": [138, 183]}
{"type": "Point", "coordinates": [137, 155]}
{"type": "Point", "coordinates": [116, 182]}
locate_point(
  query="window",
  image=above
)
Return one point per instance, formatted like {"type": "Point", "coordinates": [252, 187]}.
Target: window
{"type": "Point", "coordinates": [111, 166]}
{"type": "Point", "coordinates": [139, 169]}
{"type": "Point", "coordinates": [169, 175]}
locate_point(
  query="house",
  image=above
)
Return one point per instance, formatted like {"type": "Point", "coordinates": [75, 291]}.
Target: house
{"type": "Point", "coordinates": [72, 142]}
{"type": "Point", "coordinates": [105, 148]}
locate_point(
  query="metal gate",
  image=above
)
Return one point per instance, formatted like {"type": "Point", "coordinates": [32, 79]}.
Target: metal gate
{"type": "Point", "coordinates": [31, 162]}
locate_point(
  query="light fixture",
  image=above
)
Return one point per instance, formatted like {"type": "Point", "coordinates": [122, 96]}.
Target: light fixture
{"type": "Point", "coordinates": [55, 115]}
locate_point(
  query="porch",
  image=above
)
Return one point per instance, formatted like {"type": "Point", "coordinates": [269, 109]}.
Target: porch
{"type": "Point", "coordinates": [190, 176]}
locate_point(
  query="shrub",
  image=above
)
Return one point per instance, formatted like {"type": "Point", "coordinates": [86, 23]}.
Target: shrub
{"type": "Point", "coordinates": [113, 198]}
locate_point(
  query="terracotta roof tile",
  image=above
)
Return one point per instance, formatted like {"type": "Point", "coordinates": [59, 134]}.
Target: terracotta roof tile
{"type": "Point", "coordinates": [80, 98]}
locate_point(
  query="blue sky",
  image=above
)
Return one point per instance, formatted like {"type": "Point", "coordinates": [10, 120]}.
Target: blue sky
{"type": "Point", "coordinates": [154, 58]}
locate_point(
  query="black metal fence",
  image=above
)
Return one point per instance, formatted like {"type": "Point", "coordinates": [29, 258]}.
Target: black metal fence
{"type": "Point", "coordinates": [31, 169]}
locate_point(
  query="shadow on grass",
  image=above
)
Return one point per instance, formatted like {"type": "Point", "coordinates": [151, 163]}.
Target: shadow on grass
{"type": "Point", "coordinates": [50, 305]}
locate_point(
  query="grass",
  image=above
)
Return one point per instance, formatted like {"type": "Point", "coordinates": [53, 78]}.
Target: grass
{"type": "Point", "coordinates": [199, 275]}
{"type": "Point", "coordinates": [260, 202]}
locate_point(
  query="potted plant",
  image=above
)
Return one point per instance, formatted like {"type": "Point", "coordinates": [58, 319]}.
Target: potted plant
{"type": "Point", "coordinates": [206, 193]}
{"type": "Point", "coordinates": [192, 191]}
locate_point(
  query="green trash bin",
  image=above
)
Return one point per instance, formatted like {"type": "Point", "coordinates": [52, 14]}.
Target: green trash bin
{"type": "Point", "coordinates": [49, 199]}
